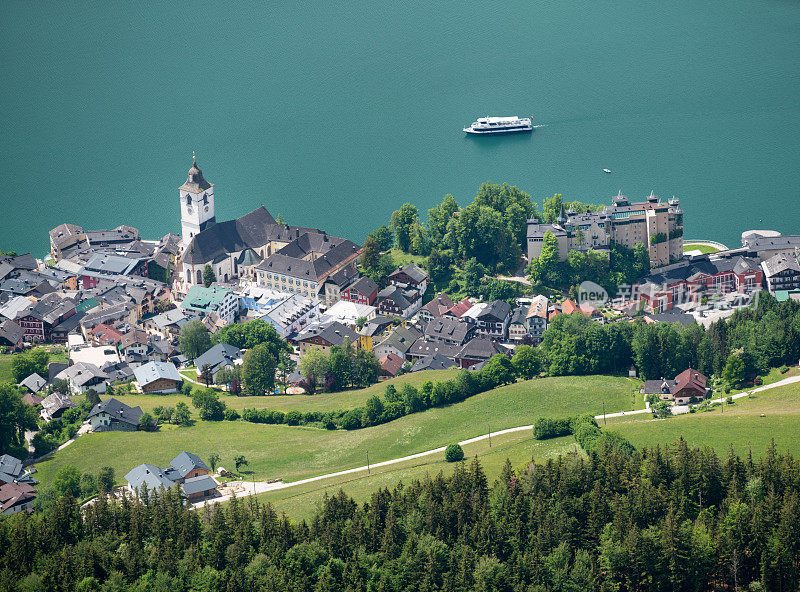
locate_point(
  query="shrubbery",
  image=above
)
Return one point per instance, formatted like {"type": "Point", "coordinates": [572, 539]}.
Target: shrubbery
{"type": "Point", "coordinates": [454, 453]}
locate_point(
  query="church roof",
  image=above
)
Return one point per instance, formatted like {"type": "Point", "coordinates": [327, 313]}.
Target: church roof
{"type": "Point", "coordinates": [253, 230]}
{"type": "Point", "coordinates": [195, 183]}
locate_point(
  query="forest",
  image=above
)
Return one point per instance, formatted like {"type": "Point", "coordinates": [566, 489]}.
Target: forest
{"type": "Point", "coordinates": [657, 519]}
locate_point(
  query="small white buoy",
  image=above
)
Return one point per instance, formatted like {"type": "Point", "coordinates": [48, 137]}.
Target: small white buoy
{"type": "Point", "coordinates": [607, 171]}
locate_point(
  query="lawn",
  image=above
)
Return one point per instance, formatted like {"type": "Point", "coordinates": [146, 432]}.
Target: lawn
{"type": "Point", "coordinates": [318, 402]}
{"type": "Point", "coordinates": [302, 502]}
{"type": "Point", "coordinates": [701, 248]}
{"type": "Point", "coordinates": [401, 258]}
{"type": "Point", "coordinates": [5, 364]}
{"type": "Point", "coordinates": [741, 425]}
{"type": "Point", "coordinates": [298, 452]}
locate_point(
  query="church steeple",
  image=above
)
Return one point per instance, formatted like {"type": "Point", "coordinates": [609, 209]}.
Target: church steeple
{"type": "Point", "coordinates": [562, 218]}
{"type": "Point", "coordinates": [197, 203]}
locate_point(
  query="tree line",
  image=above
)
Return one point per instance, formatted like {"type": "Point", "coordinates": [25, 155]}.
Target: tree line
{"type": "Point", "coordinates": [752, 340]}
{"type": "Point", "coordinates": [655, 520]}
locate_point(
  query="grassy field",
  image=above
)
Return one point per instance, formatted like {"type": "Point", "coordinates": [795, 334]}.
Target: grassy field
{"type": "Point", "coordinates": [741, 425]}
{"type": "Point", "coordinates": [701, 248]}
{"type": "Point", "coordinates": [5, 364]}
{"type": "Point", "coordinates": [298, 452]}
{"type": "Point", "coordinates": [519, 447]}
{"type": "Point", "coordinates": [318, 402]}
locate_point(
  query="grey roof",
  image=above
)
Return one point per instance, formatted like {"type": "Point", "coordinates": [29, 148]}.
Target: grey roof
{"type": "Point", "coordinates": [118, 411]}
{"type": "Point", "coordinates": [218, 357]}
{"type": "Point", "coordinates": [10, 468]}
{"type": "Point", "coordinates": [287, 261]}
{"type": "Point", "coordinates": [170, 317]}
{"type": "Point", "coordinates": [536, 230]}
{"type": "Point", "coordinates": [186, 462]}
{"type": "Point", "coordinates": [248, 257]}
{"type": "Point", "coordinates": [401, 338]}
{"type": "Point", "coordinates": [673, 316]}
{"type": "Point", "coordinates": [435, 362]}
{"type": "Point", "coordinates": [110, 264]}
{"type": "Point", "coordinates": [34, 383]}
{"type": "Point", "coordinates": [448, 329]}
{"type": "Point", "coordinates": [377, 325]}
{"type": "Point", "coordinates": [199, 484]}
{"type": "Point", "coordinates": [195, 183]}
{"type": "Point", "coordinates": [152, 371]}
{"type": "Point", "coordinates": [425, 347]}
{"type": "Point", "coordinates": [479, 349]}
{"type": "Point", "coordinates": [413, 271]}
{"type": "Point", "coordinates": [149, 476]}
{"type": "Point", "coordinates": [55, 402]}
{"type": "Point", "coordinates": [498, 310]}
{"type": "Point", "coordinates": [253, 230]}
{"type": "Point", "coordinates": [780, 263]}
{"type": "Point", "coordinates": [81, 373]}
{"type": "Point", "coordinates": [519, 315]}
{"type": "Point", "coordinates": [333, 332]}
{"type": "Point", "coordinates": [396, 294]}
{"type": "Point", "coordinates": [363, 285]}
{"type": "Point", "coordinates": [11, 332]}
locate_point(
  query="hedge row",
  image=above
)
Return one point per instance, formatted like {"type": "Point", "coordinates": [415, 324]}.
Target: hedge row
{"type": "Point", "coordinates": [590, 437]}
{"type": "Point", "coordinates": [545, 428]}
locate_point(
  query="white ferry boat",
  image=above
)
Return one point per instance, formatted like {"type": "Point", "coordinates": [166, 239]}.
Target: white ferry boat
{"type": "Point", "coordinates": [500, 125]}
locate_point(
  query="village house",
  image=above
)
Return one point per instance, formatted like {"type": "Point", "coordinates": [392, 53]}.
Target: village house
{"type": "Point", "coordinates": [433, 362]}
{"type": "Point", "coordinates": [399, 301]}
{"type": "Point", "coordinates": [391, 365]}
{"type": "Point", "coordinates": [158, 378]}
{"type": "Point", "coordinates": [686, 387]}
{"type": "Point", "coordinates": [375, 330]}
{"type": "Point", "coordinates": [325, 335]}
{"type": "Point", "coordinates": [517, 331]}
{"type": "Point", "coordinates": [16, 497]}
{"type": "Point", "coordinates": [410, 276]}
{"type": "Point", "coordinates": [362, 291]}
{"type": "Point", "coordinates": [214, 299]}
{"type": "Point", "coordinates": [33, 383]}
{"type": "Point", "coordinates": [11, 335]}
{"type": "Point", "coordinates": [536, 318]}
{"type": "Point", "coordinates": [186, 471]}
{"type": "Point", "coordinates": [397, 342]}
{"type": "Point", "coordinates": [112, 415]}
{"type": "Point", "coordinates": [425, 348]}
{"type": "Point", "coordinates": [217, 358]}
{"type": "Point", "coordinates": [54, 405]}
{"type": "Point", "coordinates": [450, 331]}
{"type": "Point", "coordinates": [781, 272]}
{"type": "Point", "coordinates": [83, 376]}
{"type": "Point", "coordinates": [12, 471]}
{"type": "Point", "coordinates": [490, 318]}
{"type": "Point", "coordinates": [435, 308]}
{"type": "Point", "coordinates": [168, 324]}
{"type": "Point", "coordinates": [478, 350]}
{"type": "Point", "coordinates": [458, 309]}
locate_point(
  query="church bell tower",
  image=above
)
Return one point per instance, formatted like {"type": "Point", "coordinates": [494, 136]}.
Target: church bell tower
{"type": "Point", "coordinates": [197, 204]}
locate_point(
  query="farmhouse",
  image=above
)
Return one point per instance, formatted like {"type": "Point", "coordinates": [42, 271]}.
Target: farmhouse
{"type": "Point", "coordinates": [158, 377]}
{"type": "Point", "coordinates": [686, 387]}
{"type": "Point", "coordinates": [218, 357]}
{"type": "Point", "coordinates": [114, 416]}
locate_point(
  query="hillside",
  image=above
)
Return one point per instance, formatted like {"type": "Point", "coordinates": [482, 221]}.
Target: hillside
{"type": "Point", "coordinates": [297, 452]}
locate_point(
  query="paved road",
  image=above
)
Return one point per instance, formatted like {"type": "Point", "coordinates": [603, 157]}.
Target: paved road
{"type": "Point", "coordinates": [248, 488]}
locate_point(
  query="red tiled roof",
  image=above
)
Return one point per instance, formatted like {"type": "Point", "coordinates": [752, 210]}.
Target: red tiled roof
{"type": "Point", "coordinates": [568, 307]}
{"type": "Point", "coordinates": [391, 364]}
{"type": "Point", "coordinates": [460, 308]}
{"type": "Point", "coordinates": [690, 378]}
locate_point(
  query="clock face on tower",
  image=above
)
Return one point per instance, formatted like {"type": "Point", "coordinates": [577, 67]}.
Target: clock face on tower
{"type": "Point", "coordinates": [189, 209]}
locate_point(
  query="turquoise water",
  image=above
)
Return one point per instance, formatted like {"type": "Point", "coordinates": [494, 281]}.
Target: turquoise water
{"type": "Point", "coordinates": [333, 114]}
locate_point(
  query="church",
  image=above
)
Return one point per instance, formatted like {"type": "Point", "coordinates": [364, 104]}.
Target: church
{"type": "Point", "coordinates": [257, 249]}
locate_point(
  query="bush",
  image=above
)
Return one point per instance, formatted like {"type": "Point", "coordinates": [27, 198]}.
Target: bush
{"type": "Point", "coordinates": [453, 453]}
{"type": "Point", "coordinates": [545, 428]}
{"type": "Point", "coordinates": [784, 369]}
{"type": "Point", "coordinates": [293, 417]}
{"type": "Point", "coordinates": [231, 415]}
{"type": "Point", "coordinates": [352, 419]}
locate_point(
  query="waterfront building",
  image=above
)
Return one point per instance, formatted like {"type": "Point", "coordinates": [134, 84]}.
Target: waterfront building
{"type": "Point", "coordinates": [657, 225]}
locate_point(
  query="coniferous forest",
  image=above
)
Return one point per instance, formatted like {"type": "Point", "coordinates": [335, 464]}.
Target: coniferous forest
{"type": "Point", "coordinates": [673, 519]}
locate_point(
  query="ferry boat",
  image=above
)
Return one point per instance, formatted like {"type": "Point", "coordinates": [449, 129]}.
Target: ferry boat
{"type": "Point", "coordinates": [500, 125]}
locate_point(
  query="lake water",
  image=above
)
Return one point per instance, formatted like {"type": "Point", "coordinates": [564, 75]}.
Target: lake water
{"type": "Point", "coordinates": [333, 114]}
